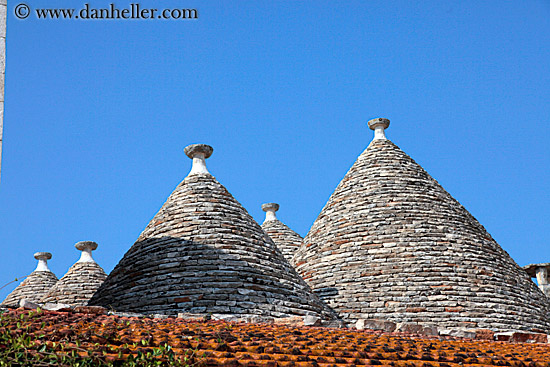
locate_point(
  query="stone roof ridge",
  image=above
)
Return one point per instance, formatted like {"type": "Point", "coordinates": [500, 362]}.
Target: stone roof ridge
{"type": "Point", "coordinates": [38, 283]}
{"type": "Point", "coordinates": [285, 238]}
{"type": "Point", "coordinates": [80, 282]}
{"type": "Point", "coordinates": [391, 243]}
{"type": "Point", "coordinates": [202, 252]}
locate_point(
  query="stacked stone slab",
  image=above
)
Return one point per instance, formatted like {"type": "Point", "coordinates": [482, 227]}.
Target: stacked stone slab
{"type": "Point", "coordinates": [203, 253]}
{"type": "Point", "coordinates": [80, 282]}
{"type": "Point", "coordinates": [285, 238]}
{"type": "Point", "coordinates": [38, 283]}
{"type": "Point", "coordinates": [392, 244]}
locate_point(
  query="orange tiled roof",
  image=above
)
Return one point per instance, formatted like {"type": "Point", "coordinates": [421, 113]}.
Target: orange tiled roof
{"type": "Point", "coordinates": [219, 343]}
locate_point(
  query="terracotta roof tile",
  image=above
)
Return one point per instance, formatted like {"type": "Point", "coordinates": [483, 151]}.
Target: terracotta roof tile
{"type": "Point", "coordinates": [218, 343]}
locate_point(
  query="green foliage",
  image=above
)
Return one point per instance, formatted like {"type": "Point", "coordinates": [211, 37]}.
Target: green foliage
{"type": "Point", "coordinates": [20, 346]}
{"type": "Point", "coordinates": [13, 281]}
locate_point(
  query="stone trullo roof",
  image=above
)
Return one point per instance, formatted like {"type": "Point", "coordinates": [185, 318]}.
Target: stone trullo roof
{"type": "Point", "coordinates": [285, 238]}
{"type": "Point", "coordinates": [80, 282]}
{"type": "Point", "coordinates": [203, 253]}
{"type": "Point", "coordinates": [35, 285]}
{"type": "Point", "coordinates": [392, 244]}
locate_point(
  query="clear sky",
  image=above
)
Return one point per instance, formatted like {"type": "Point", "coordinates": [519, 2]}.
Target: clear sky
{"type": "Point", "coordinates": [97, 113]}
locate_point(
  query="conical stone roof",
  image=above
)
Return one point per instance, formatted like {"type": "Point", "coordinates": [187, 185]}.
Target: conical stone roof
{"type": "Point", "coordinates": [35, 285]}
{"type": "Point", "coordinates": [203, 253]}
{"type": "Point", "coordinates": [285, 238]}
{"type": "Point", "coordinates": [392, 244]}
{"type": "Point", "coordinates": [80, 282]}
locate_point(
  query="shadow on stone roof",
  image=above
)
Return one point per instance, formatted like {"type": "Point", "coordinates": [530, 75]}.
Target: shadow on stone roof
{"type": "Point", "coordinates": [203, 253]}
{"type": "Point", "coordinates": [168, 275]}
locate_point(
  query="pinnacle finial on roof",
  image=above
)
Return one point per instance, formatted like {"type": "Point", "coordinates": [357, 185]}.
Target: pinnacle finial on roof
{"type": "Point", "coordinates": [42, 258]}
{"type": "Point", "coordinates": [198, 153]}
{"type": "Point", "coordinates": [270, 209]}
{"type": "Point", "coordinates": [86, 247]}
{"type": "Point", "coordinates": [379, 124]}
{"type": "Point", "coordinates": [541, 272]}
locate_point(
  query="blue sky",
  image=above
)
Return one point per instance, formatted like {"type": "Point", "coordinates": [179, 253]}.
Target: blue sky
{"type": "Point", "coordinates": [97, 114]}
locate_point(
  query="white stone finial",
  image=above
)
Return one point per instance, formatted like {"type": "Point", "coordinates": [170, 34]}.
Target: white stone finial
{"type": "Point", "coordinates": [42, 258]}
{"type": "Point", "coordinates": [198, 153]}
{"type": "Point", "coordinates": [86, 247]}
{"type": "Point", "coordinates": [270, 209]}
{"type": "Point", "coordinates": [541, 272]}
{"type": "Point", "coordinates": [379, 125]}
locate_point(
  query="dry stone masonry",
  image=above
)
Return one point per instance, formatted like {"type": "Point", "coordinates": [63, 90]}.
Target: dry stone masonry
{"type": "Point", "coordinates": [35, 286]}
{"type": "Point", "coordinates": [285, 238]}
{"type": "Point", "coordinates": [203, 253]}
{"type": "Point", "coordinates": [391, 244]}
{"type": "Point", "coordinates": [80, 282]}
{"type": "Point", "coordinates": [390, 251]}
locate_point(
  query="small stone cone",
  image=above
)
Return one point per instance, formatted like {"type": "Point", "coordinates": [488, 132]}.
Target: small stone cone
{"type": "Point", "coordinates": [285, 238]}
{"type": "Point", "coordinates": [80, 282]}
{"type": "Point", "coordinates": [35, 285]}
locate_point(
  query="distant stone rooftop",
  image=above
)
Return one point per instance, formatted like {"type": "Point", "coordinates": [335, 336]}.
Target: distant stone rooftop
{"type": "Point", "coordinates": [36, 285]}
{"type": "Point", "coordinates": [80, 282]}
{"type": "Point", "coordinates": [285, 238]}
